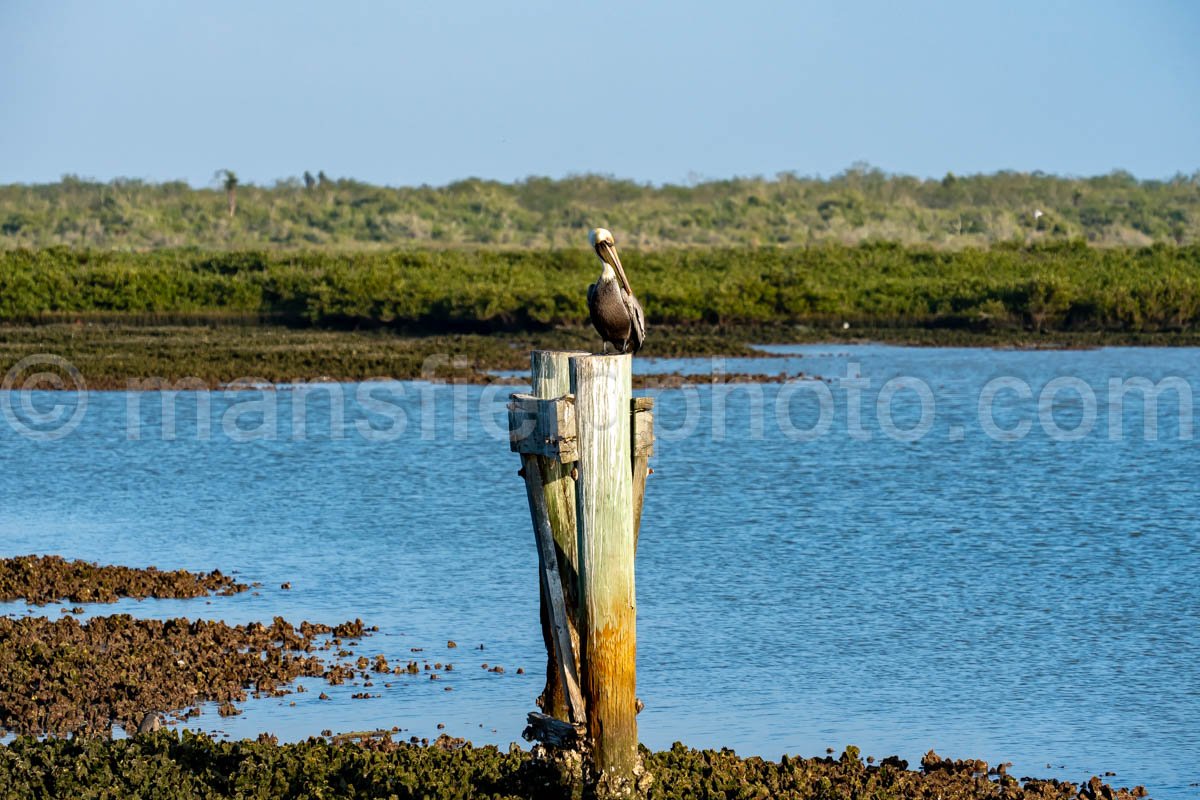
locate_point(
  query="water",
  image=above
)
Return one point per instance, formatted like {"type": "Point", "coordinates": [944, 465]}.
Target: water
{"type": "Point", "coordinates": [919, 584]}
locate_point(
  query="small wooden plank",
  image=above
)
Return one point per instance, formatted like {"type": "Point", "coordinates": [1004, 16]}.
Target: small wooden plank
{"type": "Point", "coordinates": [543, 427]}
{"type": "Point", "coordinates": [641, 468]}
{"type": "Point", "coordinates": [642, 428]}
{"type": "Point", "coordinates": [552, 585]}
{"type": "Point", "coordinates": [641, 447]}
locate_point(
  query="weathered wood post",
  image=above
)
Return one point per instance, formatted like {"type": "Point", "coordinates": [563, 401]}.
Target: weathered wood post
{"type": "Point", "coordinates": [602, 387]}
{"type": "Point", "coordinates": [551, 378]}
{"type": "Point", "coordinates": [584, 445]}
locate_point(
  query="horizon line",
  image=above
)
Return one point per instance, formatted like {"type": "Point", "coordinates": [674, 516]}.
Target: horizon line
{"type": "Point", "coordinates": [693, 180]}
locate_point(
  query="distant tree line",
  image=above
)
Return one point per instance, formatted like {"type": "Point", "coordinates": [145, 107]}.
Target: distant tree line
{"type": "Point", "coordinates": [861, 204]}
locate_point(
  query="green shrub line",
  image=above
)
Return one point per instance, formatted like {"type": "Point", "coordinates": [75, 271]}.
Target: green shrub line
{"type": "Point", "coordinates": [1065, 286]}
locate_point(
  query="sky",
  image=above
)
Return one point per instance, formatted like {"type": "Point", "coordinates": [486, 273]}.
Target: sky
{"type": "Point", "coordinates": [402, 93]}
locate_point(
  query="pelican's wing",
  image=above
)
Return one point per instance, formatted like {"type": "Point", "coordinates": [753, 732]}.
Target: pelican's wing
{"type": "Point", "coordinates": [637, 322]}
{"type": "Point", "coordinates": [591, 303]}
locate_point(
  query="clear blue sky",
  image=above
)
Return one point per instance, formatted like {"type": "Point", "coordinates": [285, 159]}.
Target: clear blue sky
{"type": "Point", "coordinates": [406, 93]}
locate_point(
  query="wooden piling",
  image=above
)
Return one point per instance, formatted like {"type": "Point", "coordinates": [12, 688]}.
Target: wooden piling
{"type": "Point", "coordinates": [602, 387]}
{"type": "Point", "coordinates": [551, 378]}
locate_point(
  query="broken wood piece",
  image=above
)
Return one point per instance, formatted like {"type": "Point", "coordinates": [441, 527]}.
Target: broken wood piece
{"type": "Point", "coordinates": [543, 427]}
{"type": "Point", "coordinates": [552, 586]}
{"type": "Point", "coordinates": [552, 732]}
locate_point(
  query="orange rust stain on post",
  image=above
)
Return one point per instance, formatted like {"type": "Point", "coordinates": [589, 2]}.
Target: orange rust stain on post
{"type": "Point", "coordinates": [604, 504]}
{"type": "Point", "coordinates": [610, 681]}
{"type": "Point", "coordinates": [611, 687]}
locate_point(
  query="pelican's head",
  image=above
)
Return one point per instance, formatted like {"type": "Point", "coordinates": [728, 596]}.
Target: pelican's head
{"type": "Point", "coordinates": [605, 246]}
{"type": "Point", "coordinates": [600, 236]}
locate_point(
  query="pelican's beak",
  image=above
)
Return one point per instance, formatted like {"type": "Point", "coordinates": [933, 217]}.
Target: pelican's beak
{"type": "Point", "coordinates": [608, 254]}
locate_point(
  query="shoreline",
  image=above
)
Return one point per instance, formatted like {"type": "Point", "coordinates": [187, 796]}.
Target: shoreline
{"type": "Point", "coordinates": [126, 357]}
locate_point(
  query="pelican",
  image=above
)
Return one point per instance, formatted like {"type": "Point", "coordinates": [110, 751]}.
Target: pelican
{"type": "Point", "coordinates": [615, 312]}
{"type": "Point", "coordinates": [151, 722]}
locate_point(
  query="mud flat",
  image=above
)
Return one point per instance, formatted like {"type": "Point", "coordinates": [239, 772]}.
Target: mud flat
{"type": "Point", "coordinates": [167, 765]}
{"type": "Point", "coordinates": [121, 355]}
{"type": "Point", "coordinates": [47, 579]}
{"type": "Point", "coordinates": [63, 677]}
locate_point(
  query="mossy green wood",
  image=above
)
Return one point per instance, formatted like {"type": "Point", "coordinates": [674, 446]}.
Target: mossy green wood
{"type": "Point", "coordinates": [602, 387]}
{"type": "Point", "coordinates": [550, 377]}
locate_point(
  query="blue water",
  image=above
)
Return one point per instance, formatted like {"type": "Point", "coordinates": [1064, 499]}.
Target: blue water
{"type": "Point", "coordinates": [1030, 594]}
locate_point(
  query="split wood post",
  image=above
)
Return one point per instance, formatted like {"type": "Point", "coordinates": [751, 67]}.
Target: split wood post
{"type": "Point", "coordinates": [602, 387]}
{"type": "Point", "coordinates": [551, 584]}
{"type": "Point", "coordinates": [551, 378]}
{"type": "Point", "coordinates": [546, 428]}
{"type": "Point", "coordinates": [642, 446]}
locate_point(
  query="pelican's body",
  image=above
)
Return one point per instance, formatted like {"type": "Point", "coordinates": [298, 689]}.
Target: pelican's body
{"type": "Point", "coordinates": [150, 723]}
{"type": "Point", "coordinates": [615, 312]}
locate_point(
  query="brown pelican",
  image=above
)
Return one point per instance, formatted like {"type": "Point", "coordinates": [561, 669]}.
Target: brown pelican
{"type": "Point", "coordinates": [615, 312]}
{"type": "Point", "coordinates": [150, 723]}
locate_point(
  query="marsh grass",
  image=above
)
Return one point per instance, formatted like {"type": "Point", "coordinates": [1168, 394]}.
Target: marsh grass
{"type": "Point", "coordinates": [1068, 287]}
